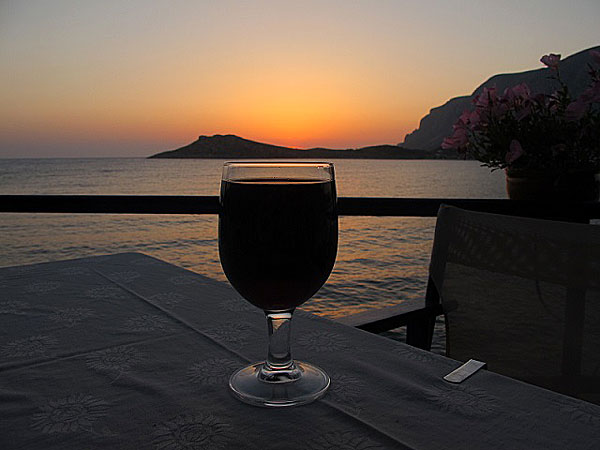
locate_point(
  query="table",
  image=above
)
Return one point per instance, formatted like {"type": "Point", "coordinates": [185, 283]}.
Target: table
{"type": "Point", "coordinates": [128, 352]}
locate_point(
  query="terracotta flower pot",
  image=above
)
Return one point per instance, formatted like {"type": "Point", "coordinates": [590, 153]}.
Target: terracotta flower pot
{"type": "Point", "coordinates": [534, 185]}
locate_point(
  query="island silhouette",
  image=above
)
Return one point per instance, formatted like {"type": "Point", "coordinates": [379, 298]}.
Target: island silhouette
{"type": "Point", "coordinates": [231, 146]}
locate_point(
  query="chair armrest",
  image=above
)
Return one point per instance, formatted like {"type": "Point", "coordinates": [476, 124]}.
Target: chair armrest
{"type": "Point", "coordinates": [388, 318]}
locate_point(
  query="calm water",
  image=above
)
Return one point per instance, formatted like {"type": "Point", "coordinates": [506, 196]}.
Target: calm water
{"type": "Point", "coordinates": [380, 260]}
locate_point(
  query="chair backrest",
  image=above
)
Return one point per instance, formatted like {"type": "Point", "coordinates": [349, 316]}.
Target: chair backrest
{"type": "Point", "coordinates": [522, 295]}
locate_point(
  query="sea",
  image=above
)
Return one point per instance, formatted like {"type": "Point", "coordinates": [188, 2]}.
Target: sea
{"type": "Point", "coordinates": [381, 260]}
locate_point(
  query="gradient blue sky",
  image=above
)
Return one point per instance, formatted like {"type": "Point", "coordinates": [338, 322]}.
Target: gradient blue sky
{"type": "Point", "coordinates": [131, 78]}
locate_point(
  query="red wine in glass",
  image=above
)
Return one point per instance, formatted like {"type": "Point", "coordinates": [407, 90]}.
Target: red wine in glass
{"type": "Point", "coordinates": [278, 234]}
{"type": "Point", "coordinates": [277, 239]}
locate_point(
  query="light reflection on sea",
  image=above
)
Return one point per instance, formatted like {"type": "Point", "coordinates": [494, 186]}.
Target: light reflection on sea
{"type": "Point", "coordinates": [380, 262]}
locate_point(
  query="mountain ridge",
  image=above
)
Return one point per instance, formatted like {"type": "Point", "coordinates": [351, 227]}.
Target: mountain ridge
{"type": "Point", "coordinates": [437, 124]}
{"type": "Point", "coordinates": [227, 146]}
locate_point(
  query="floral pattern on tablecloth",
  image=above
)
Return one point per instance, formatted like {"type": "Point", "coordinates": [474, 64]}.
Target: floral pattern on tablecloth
{"type": "Point", "coordinates": [15, 307]}
{"type": "Point", "coordinates": [169, 299]}
{"type": "Point", "coordinates": [237, 304]}
{"type": "Point", "coordinates": [115, 361]}
{"type": "Point", "coordinates": [107, 292]}
{"type": "Point", "coordinates": [72, 414]}
{"type": "Point", "coordinates": [40, 287]}
{"type": "Point", "coordinates": [143, 261]}
{"type": "Point", "coordinates": [32, 346]}
{"type": "Point", "coordinates": [585, 413]}
{"type": "Point", "coordinates": [70, 317]}
{"type": "Point", "coordinates": [184, 280]}
{"type": "Point", "coordinates": [148, 322]}
{"type": "Point", "coordinates": [413, 354]}
{"type": "Point", "coordinates": [343, 440]}
{"type": "Point", "coordinates": [125, 276]}
{"type": "Point", "coordinates": [466, 400]}
{"type": "Point", "coordinates": [73, 270]}
{"type": "Point", "coordinates": [346, 391]}
{"type": "Point", "coordinates": [230, 333]}
{"type": "Point", "coordinates": [323, 341]}
{"type": "Point", "coordinates": [213, 371]}
{"type": "Point", "coordinates": [23, 270]}
{"type": "Point", "coordinates": [193, 432]}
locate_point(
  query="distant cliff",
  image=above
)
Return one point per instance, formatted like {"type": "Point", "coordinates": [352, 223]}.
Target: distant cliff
{"type": "Point", "coordinates": [436, 125]}
{"type": "Point", "coordinates": [230, 146]}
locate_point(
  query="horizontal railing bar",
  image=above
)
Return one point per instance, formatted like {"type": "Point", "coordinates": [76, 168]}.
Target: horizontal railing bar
{"type": "Point", "coordinates": [347, 206]}
{"type": "Point", "coordinates": [428, 207]}
{"type": "Point", "coordinates": [110, 204]}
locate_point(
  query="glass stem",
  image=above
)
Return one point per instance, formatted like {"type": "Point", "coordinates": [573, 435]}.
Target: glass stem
{"type": "Point", "coordinates": [279, 356]}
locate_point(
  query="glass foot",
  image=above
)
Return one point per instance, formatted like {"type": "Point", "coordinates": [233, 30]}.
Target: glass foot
{"type": "Point", "coordinates": [300, 385]}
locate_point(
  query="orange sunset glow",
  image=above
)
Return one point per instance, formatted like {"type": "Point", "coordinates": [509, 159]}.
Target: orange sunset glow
{"type": "Point", "coordinates": [133, 78]}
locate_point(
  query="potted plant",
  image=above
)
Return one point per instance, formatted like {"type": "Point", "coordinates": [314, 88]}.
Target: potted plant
{"type": "Point", "coordinates": [548, 144]}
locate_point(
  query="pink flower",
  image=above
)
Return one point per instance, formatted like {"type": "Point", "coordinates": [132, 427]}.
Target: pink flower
{"type": "Point", "coordinates": [474, 118]}
{"type": "Point", "coordinates": [520, 91]}
{"type": "Point", "coordinates": [487, 96]}
{"type": "Point", "coordinates": [576, 110]}
{"type": "Point", "coordinates": [499, 109]}
{"type": "Point", "coordinates": [593, 92]}
{"type": "Point", "coordinates": [514, 151]}
{"type": "Point", "coordinates": [468, 119]}
{"type": "Point", "coordinates": [448, 144]}
{"type": "Point", "coordinates": [551, 60]}
{"type": "Point", "coordinates": [523, 113]}
{"type": "Point", "coordinates": [459, 125]}
{"type": "Point", "coordinates": [464, 117]}
{"type": "Point", "coordinates": [559, 130]}
{"type": "Point", "coordinates": [457, 140]}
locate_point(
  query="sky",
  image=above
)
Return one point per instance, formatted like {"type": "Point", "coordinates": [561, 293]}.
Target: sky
{"type": "Point", "coordinates": [106, 78]}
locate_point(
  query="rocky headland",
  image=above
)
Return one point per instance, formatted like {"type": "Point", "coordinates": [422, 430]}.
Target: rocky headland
{"type": "Point", "coordinates": [437, 125]}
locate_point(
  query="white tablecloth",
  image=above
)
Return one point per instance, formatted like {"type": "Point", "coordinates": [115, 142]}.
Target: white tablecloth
{"type": "Point", "coordinates": [129, 352]}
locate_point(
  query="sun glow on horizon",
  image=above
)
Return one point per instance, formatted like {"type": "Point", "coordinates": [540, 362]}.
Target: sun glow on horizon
{"type": "Point", "coordinates": [117, 79]}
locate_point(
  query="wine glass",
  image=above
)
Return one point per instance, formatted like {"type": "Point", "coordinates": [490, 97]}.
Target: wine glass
{"type": "Point", "coordinates": [278, 234]}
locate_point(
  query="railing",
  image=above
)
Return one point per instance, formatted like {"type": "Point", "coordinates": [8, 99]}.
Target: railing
{"type": "Point", "coordinates": [347, 206]}
{"type": "Point", "coordinates": [417, 316]}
